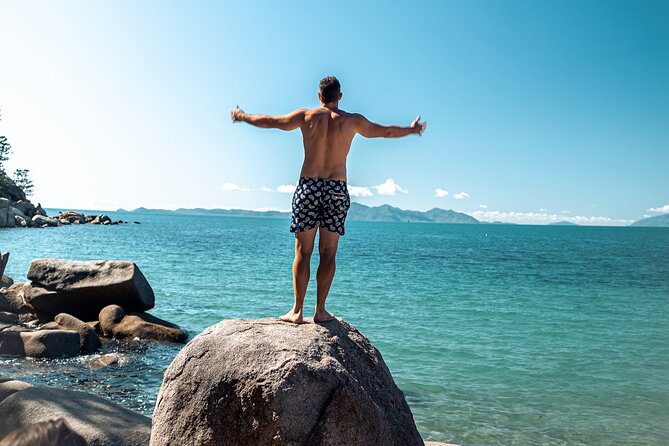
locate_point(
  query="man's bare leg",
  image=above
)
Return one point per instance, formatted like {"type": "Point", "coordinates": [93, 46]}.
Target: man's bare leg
{"type": "Point", "coordinates": [327, 248]}
{"type": "Point", "coordinates": [304, 246]}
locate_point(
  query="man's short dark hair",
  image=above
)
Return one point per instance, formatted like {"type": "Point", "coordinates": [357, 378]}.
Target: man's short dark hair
{"type": "Point", "coordinates": [329, 89]}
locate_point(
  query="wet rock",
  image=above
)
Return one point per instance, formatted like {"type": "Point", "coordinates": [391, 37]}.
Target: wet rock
{"type": "Point", "coordinates": [40, 343]}
{"type": "Point", "coordinates": [83, 289]}
{"type": "Point", "coordinates": [89, 341]}
{"type": "Point", "coordinates": [104, 361]}
{"type": "Point", "coordinates": [115, 323]}
{"type": "Point", "coordinates": [100, 422]}
{"type": "Point", "coordinates": [266, 382]}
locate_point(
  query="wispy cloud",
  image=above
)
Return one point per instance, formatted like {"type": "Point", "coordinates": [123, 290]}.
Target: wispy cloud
{"type": "Point", "coordinates": [662, 209]}
{"type": "Point", "coordinates": [232, 187]}
{"type": "Point", "coordinates": [461, 195]}
{"type": "Point", "coordinates": [266, 189]}
{"type": "Point", "coordinates": [286, 188]}
{"type": "Point", "coordinates": [533, 218]}
{"type": "Point", "coordinates": [483, 206]}
{"type": "Point", "coordinates": [440, 193]}
{"type": "Point", "coordinates": [390, 188]}
{"type": "Point", "coordinates": [359, 191]}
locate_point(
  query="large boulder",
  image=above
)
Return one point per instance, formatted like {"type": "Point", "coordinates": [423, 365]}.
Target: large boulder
{"type": "Point", "coordinates": [39, 343]}
{"type": "Point", "coordinates": [115, 323]}
{"type": "Point", "coordinates": [83, 289]}
{"type": "Point", "coordinates": [266, 382]}
{"type": "Point", "coordinates": [100, 422]}
{"type": "Point", "coordinates": [89, 341]}
{"type": "Point", "coordinates": [26, 207]}
{"type": "Point", "coordinates": [7, 219]}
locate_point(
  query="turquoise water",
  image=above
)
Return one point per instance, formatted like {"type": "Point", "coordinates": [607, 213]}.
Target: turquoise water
{"type": "Point", "coordinates": [527, 335]}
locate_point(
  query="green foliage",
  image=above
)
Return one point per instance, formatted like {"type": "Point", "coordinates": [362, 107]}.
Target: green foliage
{"type": "Point", "coordinates": [23, 181]}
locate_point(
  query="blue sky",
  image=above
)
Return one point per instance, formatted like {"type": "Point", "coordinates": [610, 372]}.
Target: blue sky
{"type": "Point", "coordinates": [537, 111]}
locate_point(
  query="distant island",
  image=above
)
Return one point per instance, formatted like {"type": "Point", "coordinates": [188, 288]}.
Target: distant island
{"type": "Point", "coordinates": [659, 221]}
{"type": "Point", "coordinates": [562, 223]}
{"type": "Point", "coordinates": [357, 212]}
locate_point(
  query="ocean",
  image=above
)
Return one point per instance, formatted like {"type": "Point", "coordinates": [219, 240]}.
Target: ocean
{"type": "Point", "coordinates": [496, 334]}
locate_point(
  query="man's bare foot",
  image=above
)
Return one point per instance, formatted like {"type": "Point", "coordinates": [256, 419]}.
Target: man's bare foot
{"type": "Point", "coordinates": [291, 316]}
{"type": "Point", "coordinates": [323, 316]}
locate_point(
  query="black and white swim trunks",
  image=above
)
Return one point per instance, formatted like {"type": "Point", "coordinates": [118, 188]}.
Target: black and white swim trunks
{"type": "Point", "coordinates": [320, 202]}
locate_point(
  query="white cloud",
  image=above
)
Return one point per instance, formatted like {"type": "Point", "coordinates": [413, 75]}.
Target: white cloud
{"type": "Point", "coordinates": [440, 193]}
{"type": "Point", "coordinates": [357, 191]}
{"type": "Point", "coordinates": [534, 218]}
{"type": "Point", "coordinates": [286, 188]}
{"type": "Point", "coordinates": [542, 210]}
{"type": "Point", "coordinates": [232, 187]}
{"type": "Point", "coordinates": [663, 209]}
{"type": "Point", "coordinates": [566, 212]}
{"type": "Point", "coordinates": [483, 206]}
{"type": "Point", "coordinates": [265, 189]}
{"type": "Point", "coordinates": [390, 188]}
{"type": "Point", "coordinates": [461, 195]}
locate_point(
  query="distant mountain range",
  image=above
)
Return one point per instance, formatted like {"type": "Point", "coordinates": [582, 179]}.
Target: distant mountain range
{"type": "Point", "coordinates": [387, 213]}
{"type": "Point", "coordinates": [357, 212]}
{"type": "Point", "coordinates": [659, 221]}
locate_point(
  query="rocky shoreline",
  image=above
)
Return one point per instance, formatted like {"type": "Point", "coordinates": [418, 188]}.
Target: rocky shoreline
{"type": "Point", "coordinates": [240, 382]}
{"type": "Point", "coordinates": [70, 307]}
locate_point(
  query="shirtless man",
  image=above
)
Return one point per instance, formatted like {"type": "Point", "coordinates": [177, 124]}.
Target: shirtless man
{"type": "Point", "coordinates": [321, 198]}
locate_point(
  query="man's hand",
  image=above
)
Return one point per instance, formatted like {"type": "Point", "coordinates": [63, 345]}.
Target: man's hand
{"type": "Point", "coordinates": [237, 114]}
{"type": "Point", "coordinates": [418, 127]}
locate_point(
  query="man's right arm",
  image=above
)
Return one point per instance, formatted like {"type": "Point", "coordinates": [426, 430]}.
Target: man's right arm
{"type": "Point", "coordinates": [369, 129]}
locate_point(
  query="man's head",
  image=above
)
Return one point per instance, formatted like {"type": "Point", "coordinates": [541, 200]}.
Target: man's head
{"type": "Point", "coordinates": [329, 90]}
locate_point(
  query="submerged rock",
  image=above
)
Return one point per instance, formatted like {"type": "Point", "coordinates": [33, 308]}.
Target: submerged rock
{"type": "Point", "coordinates": [100, 422]}
{"type": "Point", "coordinates": [115, 323]}
{"type": "Point", "coordinates": [84, 288]}
{"type": "Point", "coordinates": [267, 382]}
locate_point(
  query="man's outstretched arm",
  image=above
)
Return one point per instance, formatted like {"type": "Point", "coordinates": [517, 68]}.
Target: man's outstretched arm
{"type": "Point", "coordinates": [290, 121]}
{"type": "Point", "coordinates": [369, 129]}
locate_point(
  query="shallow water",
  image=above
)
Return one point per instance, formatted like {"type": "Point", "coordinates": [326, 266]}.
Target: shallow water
{"type": "Point", "coordinates": [496, 334]}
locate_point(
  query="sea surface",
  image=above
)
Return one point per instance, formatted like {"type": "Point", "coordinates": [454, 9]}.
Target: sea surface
{"type": "Point", "coordinates": [496, 334]}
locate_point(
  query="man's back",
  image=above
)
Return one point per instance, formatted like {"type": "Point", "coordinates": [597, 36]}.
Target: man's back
{"type": "Point", "coordinates": [321, 199]}
{"type": "Point", "coordinates": [327, 135]}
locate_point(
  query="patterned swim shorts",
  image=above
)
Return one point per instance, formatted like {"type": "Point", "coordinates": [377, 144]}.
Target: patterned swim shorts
{"type": "Point", "coordinates": [320, 202]}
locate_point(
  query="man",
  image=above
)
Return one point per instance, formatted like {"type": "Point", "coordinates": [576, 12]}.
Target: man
{"type": "Point", "coordinates": [321, 198]}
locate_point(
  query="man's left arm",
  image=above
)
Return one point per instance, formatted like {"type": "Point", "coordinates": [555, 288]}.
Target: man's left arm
{"type": "Point", "coordinates": [291, 121]}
